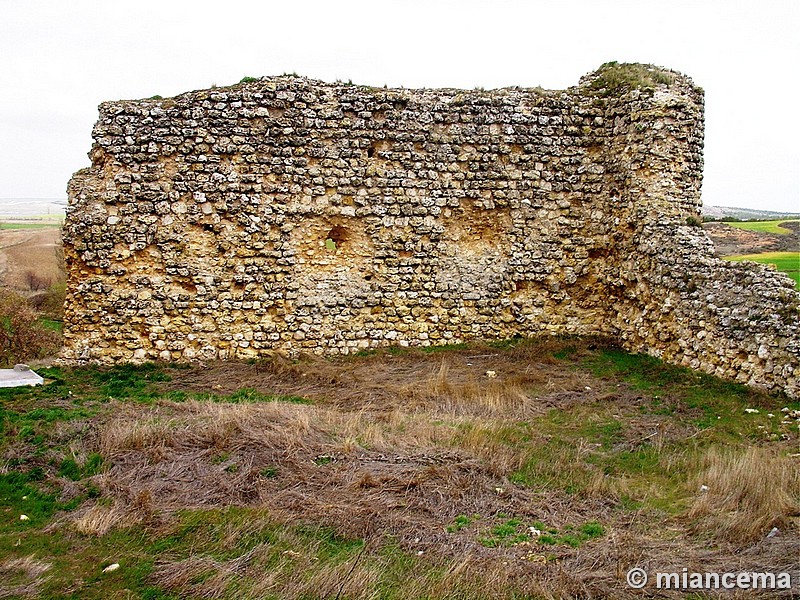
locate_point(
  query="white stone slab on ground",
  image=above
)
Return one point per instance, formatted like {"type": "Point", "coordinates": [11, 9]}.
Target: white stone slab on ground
{"type": "Point", "coordinates": [18, 376]}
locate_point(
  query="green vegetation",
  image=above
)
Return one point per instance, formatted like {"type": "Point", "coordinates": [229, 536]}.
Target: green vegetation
{"type": "Point", "coordinates": [51, 224]}
{"type": "Point", "coordinates": [514, 531]}
{"type": "Point", "coordinates": [115, 466]}
{"type": "Point", "coordinates": [598, 447]}
{"type": "Point", "coordinates": [786, 262]}
{"type": "Point", "coordinates": [616, 78]}
{"type": "Point", "coordinates": [460, 522]}
{"type": "Point", "coordinates": [22, 335]}
{"type": "Point", "coordinates": [763, 226]}
{"type": "Point", "coordinates": [248, 79]}
{"type": "Point", "coordinates": [51, 324]}
{"type": "Point", "coordinates": [240, 396]}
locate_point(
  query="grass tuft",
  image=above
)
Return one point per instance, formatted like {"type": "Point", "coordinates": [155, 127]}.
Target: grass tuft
{"type": "Point", "coordinates": [746, 493]}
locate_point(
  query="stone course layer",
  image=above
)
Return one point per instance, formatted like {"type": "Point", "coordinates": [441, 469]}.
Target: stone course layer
{"type": "Point", "coordinates": [291, 215]}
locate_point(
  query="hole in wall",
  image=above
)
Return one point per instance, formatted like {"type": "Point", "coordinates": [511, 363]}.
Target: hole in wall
{"type": "Point", "coordinates": [376, 147]}
{"type": "Point", "coordinates": [335, 238]}
{"type": "Point", "coordinates": [520, 285]}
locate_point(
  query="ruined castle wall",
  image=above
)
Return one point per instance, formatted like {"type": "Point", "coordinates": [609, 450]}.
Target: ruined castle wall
{"type": "Point", "coordinates": [292, 215]}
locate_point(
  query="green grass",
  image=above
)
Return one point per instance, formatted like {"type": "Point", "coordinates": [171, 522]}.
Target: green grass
{"type": "Point", "coordinates": [615, 78]}
{"type": "Point", "coordinates": [514, 531]}
{"type": "Point", "coordinates": [459, 523]}
{"type": "Point", "coordinates": [50, 225]}
{"type": "Point", "coordinates": [240, 396]}
{"type": "Point", "coordinates": [786, 262]}
{"type": "Point", "coordinates": [764, 226]}
{"type": "Point", "coordinates": [51, 324]}
{"type": "Point", "coordinates": [598, 443]}
{"type": "Point", "coordinates": [588, 453]}
{"type": "Point", "coordinates": [290, 552]}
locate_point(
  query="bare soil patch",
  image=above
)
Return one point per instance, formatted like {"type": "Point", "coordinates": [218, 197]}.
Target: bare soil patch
{"type": "Point", "coordinates": [30, 259]}
{"type": "Point", "coordinates": [730, 241]}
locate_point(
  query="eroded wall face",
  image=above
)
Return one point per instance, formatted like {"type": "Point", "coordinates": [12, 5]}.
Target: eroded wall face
{"type": "Point", "coordinates": [294, 215]}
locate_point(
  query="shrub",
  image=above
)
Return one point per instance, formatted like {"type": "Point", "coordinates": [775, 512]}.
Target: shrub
{"type": "Point", "coordinates": [22, 337]}
{"type": "Point", "coordinates": [51, 302]}
{"type": "Point", "coordinates": [694, 221]}
{"type": "Point", "coordinates": [615, 78]}
{"type": "Point", "coordinates": [36, 282]}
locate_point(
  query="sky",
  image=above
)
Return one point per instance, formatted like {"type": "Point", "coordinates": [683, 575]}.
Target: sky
{"type": "Point", "coordinates": [61, 59]}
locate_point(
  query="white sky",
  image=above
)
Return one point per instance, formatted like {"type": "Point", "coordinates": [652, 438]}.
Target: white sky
{"type": "Point", "coordinates": [60, 59]}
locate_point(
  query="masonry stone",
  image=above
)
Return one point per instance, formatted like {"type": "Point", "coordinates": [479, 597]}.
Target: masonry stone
{"type": "Point", "coordinates": [291, 215]}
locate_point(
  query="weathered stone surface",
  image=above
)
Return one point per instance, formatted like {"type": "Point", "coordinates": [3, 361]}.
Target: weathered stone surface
{"type": "Point", "coordinates": [293, 215]}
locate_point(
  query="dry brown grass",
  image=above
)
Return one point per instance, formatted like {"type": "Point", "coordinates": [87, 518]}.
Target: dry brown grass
{"type": "Point", "coordinates": [473, 394]}
{"type": "Point", "coordinates": [29, 570]}
{"type": "Point", "coordinates": [22, 337]}
{"type": "Point", "coordinates": [297, 575]}
{"type": "Point", "coordinates": [392, 450]}
{"type": "Point", "coordinates": [749, 492]}
{"type": "Point", "coordinates": [364, 473]}
{"type": "Point", "coordinates": [97, 520]}
{"type": "Point", "coordinates": [526, 382]}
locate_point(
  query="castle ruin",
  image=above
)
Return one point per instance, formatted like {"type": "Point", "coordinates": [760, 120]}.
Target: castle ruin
{"type": "Point", "coordinates": [291, 215]}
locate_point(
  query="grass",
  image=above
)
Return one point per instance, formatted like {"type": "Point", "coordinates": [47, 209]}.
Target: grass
{"type": "Point", "coordinates": [786, 262]}
{"type": "Point", "coordinates": [47, 225]}
{"type": "Point", "coordinates": [513, 532]}
{"type": "Point", "coordinates": [405, 475]}
{"type": "Point", "coordinates": [615, 78]}
{"type": "Point", "coordinates": [748, 491]}
{"type": "Point", "coordinates": [52, 324]}
{"type": "Point", "coordinates": [764, 226]}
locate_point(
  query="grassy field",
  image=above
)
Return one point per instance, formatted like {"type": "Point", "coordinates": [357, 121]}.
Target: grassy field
{"type": "Point", "coordinates": [787, 262]}
{"type": "Point", "coordinates": [763, 226]}
{"type": "Point", "coordinates": [32, 225]}
{"type": "Point", "coordinates": [522, 470]}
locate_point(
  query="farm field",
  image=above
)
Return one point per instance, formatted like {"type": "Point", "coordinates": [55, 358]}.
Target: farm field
{"type": "Point", "coordinates": [527, 469]}
{"type": "Point", "coordinates": [30, 258]}
{"type": "Point", "coordinates": [787, 262]}
{"type": "Point", "coordinates": [52, 224]}
{"type": "Point", "coordinates": [764, 226]}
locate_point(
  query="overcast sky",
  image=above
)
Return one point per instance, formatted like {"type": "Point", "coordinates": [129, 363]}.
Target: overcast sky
{"type": "Point", "coordinates": [60, 59]}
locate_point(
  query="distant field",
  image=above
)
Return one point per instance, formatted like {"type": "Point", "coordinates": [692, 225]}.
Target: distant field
{"type": "Point", "coordinates": [30, 257]}
{"type": "Point", "coordinates": [34, 225]}
{"type": "Point", "coordinates": [763, 226]}
{"type": "Point", "coordinates": [788, 262]}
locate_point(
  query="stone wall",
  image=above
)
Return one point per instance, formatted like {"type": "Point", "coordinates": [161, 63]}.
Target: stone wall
{"type": "Point", "coordinates": [293, 215]}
